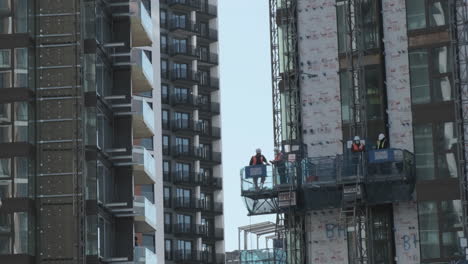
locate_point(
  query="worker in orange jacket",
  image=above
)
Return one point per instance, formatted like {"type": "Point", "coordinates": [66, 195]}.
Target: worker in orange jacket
{"type": "Point", "coordinates": [258, 159]}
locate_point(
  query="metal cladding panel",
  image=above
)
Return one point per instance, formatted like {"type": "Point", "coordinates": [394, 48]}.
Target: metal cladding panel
{"type": "Point", "coordinates": [397, 72]}
{"type": "Point", "coordinates": [60, 131]}
{"type": "Point", "coordinates": [405, 218]}
{"type": "Point", "coordinates": [57, 56]}
{"type": "Point", "coordinates": [319, 81]}
{"type": "Point", "coordinates": [57, 77]}
{"type": "Point", "coordinates": [315, 199]}
{"type": "Point", "coordinates": [325, 238]}
{"type": "Point", "coordinates": [57, 109]}
{"type": "Point", "coordinates": [57, 6]}
{"type": "Point", "coordinates": [58, 231]}
{"type": "Point", "coordinates": [55, 185]}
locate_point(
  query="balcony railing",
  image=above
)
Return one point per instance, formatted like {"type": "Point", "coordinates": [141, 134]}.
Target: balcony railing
{"type": "Point", "coordinates": [181, 76]}
{"type": "Point", "coordinates": [182, 100]}
{"type": "Point", "coordinates": [209, 182]}
{"type": "Point", "coordinates": [213, 108]}
{"type": "Point", "coordinates": [208, 58]}
{"type": "Point", "coordinates": [141, 161]}
{"type": "Point", "coordinates": [183, 125]}
{"type": "Point", "coordinates": [184, 4]}
{"type": "Point", "coordinates": [209, 34]}
{"type": "Point", "coordinates": [143, 119]}
{"type": "Point", "coordinates": [184, 151]}
{"type": "Point", "coordinates": [210, 207]}
{"type": "Point", "coordinates": [207, 131]}
{"type": "Point", "coordinates": [184, 177]}
{"type": "Point", "coordinates": [185, 203]}
{"type": "Point", "coordinates": [185, 229]}
{"type": "Point", "coordinates": [208, 156]}
{"type": "Point", "coordinates": [141, 24]}
{"type": "Point", "coordinates": [143, 255]}
{"type": "Point", "coordinates": [208, 10]}
{"type": "Point", "coordinates": [183, 27]}
{"type": "Point", "coordinates": [209, 84]}
{"type": "Point", "coordinates": [145, 218]}
{"type": "Point", "coordinates": [142, 72]}
{"type": "Point", "coordinates": [183, 51]}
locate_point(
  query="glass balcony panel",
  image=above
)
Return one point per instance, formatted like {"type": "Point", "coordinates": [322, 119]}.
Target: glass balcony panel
{"type": "Point", "coordinates": [143, 119]}
{"type": "Point", "coordinates": [142, 72]}
{"type": "Point", "coordinates": [145, 215]}
{"type": "Point", "coordinates": [141, 24]}
{"type": "Point", "coordinates": [143, 255]}
{"type": "Point", "coordinates": [144, 170]}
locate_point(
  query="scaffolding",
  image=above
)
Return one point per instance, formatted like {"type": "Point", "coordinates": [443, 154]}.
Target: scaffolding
{"type": "Point", "coordinates": [459, 45]}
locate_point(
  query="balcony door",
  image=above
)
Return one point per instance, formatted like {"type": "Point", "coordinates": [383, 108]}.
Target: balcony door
{"type": "Point", "coordinates": [183, 171]}
{"type": "Point", "coordinates": [183, 197]}
{"type": "Point", "coordinates": [183, 145]}
{"type": "Point", "coordinates": [182, 119]}
{"type": "Point", "coordinates": [180, 45]}
{"type": "Point", "coordinates": [180, 70]}
{"type": "Point", "coordinates": [184, 223]}
{"type": "Point", "coordinates": [185, 249]}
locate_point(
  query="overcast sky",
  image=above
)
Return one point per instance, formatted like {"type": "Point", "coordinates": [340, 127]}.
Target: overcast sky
{"type": "Point", "coordinates": [247, 119]}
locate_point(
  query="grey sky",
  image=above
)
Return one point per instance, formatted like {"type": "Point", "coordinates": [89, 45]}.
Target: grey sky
{"type": "Point", "coordinates": [247, 118]}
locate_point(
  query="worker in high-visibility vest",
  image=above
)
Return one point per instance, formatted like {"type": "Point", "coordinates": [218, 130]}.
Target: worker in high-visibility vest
{"type": "Point", "coordinates": [258, 159]}
{"type": "Point", "coordinates": [280, 165]}
{"type": "Point", "coordinates": [382, 142]}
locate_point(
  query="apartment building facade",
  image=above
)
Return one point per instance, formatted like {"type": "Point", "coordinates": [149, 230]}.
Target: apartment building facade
{"type": "Point", "coordinates": [191, 132]}
{"type": "Point", "coordinates": [81, 177]}
{"type": "Point", "coordinates": [360, 68]}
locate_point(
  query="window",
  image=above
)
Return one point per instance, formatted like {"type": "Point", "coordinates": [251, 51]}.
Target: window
{"type": "Point", "coordinates": [184, 248]}
{"type": "Point", "coordinates": [204, 52]}
{"type": "Point", "coordinates": [184, 223]}
{"type": "Point", "coordinates": [103, 78]}
{"type": "Point", "coordinates": [104, 131]}
{"type": "Point", "coordinates": [180, 70]}
{"type": "Point", "coordinates": [165, 119]}
{"type": "Point", "coordinates": [13, 16]}
{"type": "Point", "coordinates": [182, 171]}
{"type": "Point", "coordinates": [179, 45]}
{"type": "Point", "coordinates": [203, 29]}
{"type": "Point", "coordinates": [181, 94]}
{"type": "Point", "coordinates": [14, 235]}
{"type": "Point", "coordinates": [430, 75]}
{"type": "Point", "coordinates": [164, 68]}
{"type": "Point", "coordinates": [179, 20]}
{"type": "Point", "coordinates": [103, 25]}
{"type": "Point", "coordinates": [167, 222]}
{"type": "Point", "coordinates": [204, 150]}
{"type": "Point", "coordinates": [182, 120]}
{"type": "Point", "coordinates": [206, 200]}
{"type": "Point", "coordinates": [164, 93]}
{"type": "Point", "coordinates": [105, 184]}
{"type": "Point", "coordinates": [163, 18]}
{"type": "Point", "coordinates": [346, 97]}
{"type": "Point", "coordinates": [205, 174]}
{"type": "Point", "coordinates": [163, 43]}
{"type": "Point", "coordinates": [203, 126]}
{"type": "Point", "coordinates": [183, 145]}
{"type": "Point", "coordinates": [166, 170]}
{"type": "Point", "coordinates": [166, 144]}
{"type": "Point", "coordinates": [439, 223]}
{"type": "Point", "coordinates": [204, 77]}
{"type": "Point", "coordinates": [183, 197]}
{"type": "Point", "coordinates": [435, 151]}
{"type": "Point", "coordinates": [168, 249]}
{"type": "Point", "coordinates": [17, 65]}
{"type": "Point", "coordinates": [421, 13]}
{"type": "Point", "coordinates": [167, 196]}
{"type": "Point", "coordinates": [14, 122]}
{"type": "Point", "coordinates": [374, 93]}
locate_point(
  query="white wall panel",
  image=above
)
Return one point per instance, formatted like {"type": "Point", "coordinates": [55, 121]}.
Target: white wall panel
{"type": "Point", "coordinates": [318, 56]}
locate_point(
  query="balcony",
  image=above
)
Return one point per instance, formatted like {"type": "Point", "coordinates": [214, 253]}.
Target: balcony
{"type": "Point", "coordinates": [186, 5]}
{"type": "Point", "coordinates": [208, 156]}
{"type": "Point", "coordinates": [141, 24]}
{"type": "Point", "coordinates": [183, 101]}
{"type": "Point", "coordinates": [143, 255]}
{"type": "Point", "coordinates": [145, 215]}
{"type": "Point", "coordinates": [208, 34]}
{"type": "Point", "coordinates": [184, 127]}
{"type": "Point", "coordinates": [211, 233]}
{"type": "Point", "coordinates": [142, 119]}
{"type": "Point", "coordinates": [213, 208]}
{"type": "Point", "coordinates": [187, 52]}
{"type": "Point", "coordinates": [186, 204]}
{"type": "Point", "coordinates": [183, 27]}
{"type": "Point", "coordinates": [142, 72]}
{"type": "Point", "coordinates": [212, 108]}
{"type": "Point", "coordinates": [187, 77]}
{"type": "Point", "coordinates": [184, 178]}
{"type": "Point", "coordinates": [185, 230]}
{"type": "Point", "coordinates": [142, 211]}
{"type": "Point", "coordinates": [141, 161]}
{"type": "Point", "coordinates": [208, 11]}
{"type": "Point", "coordinates": [184, 152]}
{"type": "Point", "coordinates": [207, 58]}
{"type": "Point", "coordinates": [212, 183]}
{"type": "Point", "coordinates": [209, 84]}
{"type": "Point", "coordinates": [208, 131]}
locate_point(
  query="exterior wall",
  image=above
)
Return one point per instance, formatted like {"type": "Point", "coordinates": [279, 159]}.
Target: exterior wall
{"type": "Point", "coordinates": [318, 56]}
{"type": "Point", "coordinates": [405, 217]}
{"type": "Point", "coordinates": [397, 72]}
{"type": "Point", "coordinates": [326, 238]}
{"type": "Point", "coordinates": [158, 186]}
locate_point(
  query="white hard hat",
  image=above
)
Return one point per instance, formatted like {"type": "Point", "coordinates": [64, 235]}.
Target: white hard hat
{"type": "Point", "coordinates": [258, 150]}
{"type": "Point", "coordinates": [356, 138]}
{"type": "Point", "coordinates": [381, 136]}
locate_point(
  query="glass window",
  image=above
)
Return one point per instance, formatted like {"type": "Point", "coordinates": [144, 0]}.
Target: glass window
{"type": "Point", "coordinates": [416, 14]}
{"type": "Point", "coordinates": [21, 177]}
{"type": "Point", "coordinates": [5, 17]}
{"type": "Point", "coordinates": [438, 13]}
{"type": "Point", "coordinates": [5, 58]}
{"type": "Point", "coordinates": [5, 168]}
{"type": "Point", "coordinates": [5, 79]}
{"type": "Point", "coordinates": [424, 152]}
{"type": "Point", "coordinates": [441, 60]}
{"type": "Point", "coordinates": [342, 25]}
{"type": "Point", "coordinates": [346, 97]}
{"type": "Point", "coordinates": [163, 43]}
{"type": "Point", "coordinates": [439, 224]}
{"type": "Point", "coordinates": [163, 17]}
{"type": "Point", "coordinates": [374, 97]}
{"type": "Point", "coordinates": [21, 16]}
{"type": "Point", "coordinates": [21, 122]}
{"type": "Point", "coordinates": [168, 249]}
{"type": "Point", "coordinates": [419, 76]}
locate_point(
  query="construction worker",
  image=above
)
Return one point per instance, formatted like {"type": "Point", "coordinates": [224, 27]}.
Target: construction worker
{"type": "Point", "coordinates": [258, 159]}
{"type": "Point", "coordinates": [357, 146]}
{"type": "Point", "coordinates": [280, 165]}
{"type": "Point", "coordinates": [382, 142]}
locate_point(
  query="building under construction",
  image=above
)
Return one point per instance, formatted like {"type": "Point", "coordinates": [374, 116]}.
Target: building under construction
{"type": "Point", "coordinates": [361, 68]}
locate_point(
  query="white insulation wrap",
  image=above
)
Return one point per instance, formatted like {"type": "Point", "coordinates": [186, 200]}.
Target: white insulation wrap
{"type": "Point", "coordinates": [325, 238]}
{"type": "Point", "coordinates": [319, 81]}
{"type": "Point", "coordinates": [405, 217]}
{"type": "Point", "coordinates": [397, 72]}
